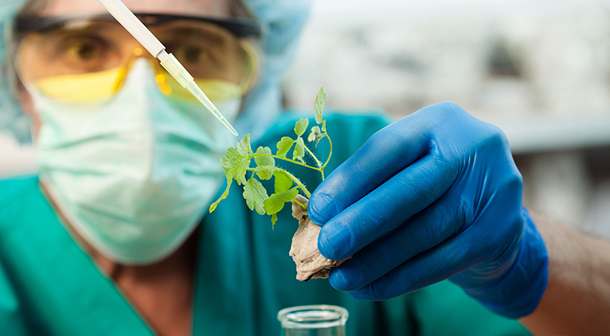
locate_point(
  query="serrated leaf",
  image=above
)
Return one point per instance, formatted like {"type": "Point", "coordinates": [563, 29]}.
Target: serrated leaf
{"type": "Point", "coordinates": [299, 150]}
{"type": "Point", "coordinates": [231, 161]}
{"type": "Point", "coordinates": [301, 126]}
{"type": "Point", "coordinates": [319, 105]}
{"type": "Point", "coordinates": [255, 195]}
{"type": "Point", "coordinates": [264, 161]}
{"type": "Point", "coordinates": [283, 146]}
{"type": "Point", "coordinates": [240, 173]}
{"type": "Point", "coordinates": [244, 146]}
{"type": "Point", "coordinates": [282, 182]}
{"type": "Point", "coordinates": [224, 194]}
{"type": "Point", "coordinates": [275, 203]}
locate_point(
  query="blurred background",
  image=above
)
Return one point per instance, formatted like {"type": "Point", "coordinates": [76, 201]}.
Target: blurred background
{"type": "Point", "coordinates": [538, 69]}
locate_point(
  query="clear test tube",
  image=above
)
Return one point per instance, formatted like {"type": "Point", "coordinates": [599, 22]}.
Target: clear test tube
{"type": "Point", "coordinates": [315, 320]}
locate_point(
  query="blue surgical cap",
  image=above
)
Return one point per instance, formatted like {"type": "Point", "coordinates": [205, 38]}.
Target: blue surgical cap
{"type": "Point", "coordinates": [282, 22]}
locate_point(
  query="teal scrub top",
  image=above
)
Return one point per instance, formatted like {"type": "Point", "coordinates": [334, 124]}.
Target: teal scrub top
{"type": "Point", "coordinates": [49, 286]}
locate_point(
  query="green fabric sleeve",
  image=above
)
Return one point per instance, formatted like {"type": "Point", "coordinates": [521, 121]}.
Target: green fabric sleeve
{"type": "Point", "coordinates": [10, 310]}
{"type": "Point", "coordinates": [444, 309]}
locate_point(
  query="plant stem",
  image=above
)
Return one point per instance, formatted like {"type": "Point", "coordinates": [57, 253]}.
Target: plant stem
{"type": "Point", "coordinates": [299, 203]}
{"type": "Point", "coordinates": [286, 159]}
{"type": "Point", "coordinates": [315, 158]}
{"type": "Point", "coordinates": [292, 177]}
{"type": "Point", "coordinates": [330, 153]}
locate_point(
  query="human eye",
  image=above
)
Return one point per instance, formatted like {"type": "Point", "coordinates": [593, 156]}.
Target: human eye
{"type": "Point", "coordinates": [198, 58]}
{"type": "Point", "coordinates": [86, 53]}
{"type": "Point", "coordinates": [205, 52]}
{"type": "Point", "coordinates": [192, 54]}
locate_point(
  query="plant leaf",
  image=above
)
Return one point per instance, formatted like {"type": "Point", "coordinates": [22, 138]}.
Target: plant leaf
{"type": "Point", "coordinates": [224, 194]}
{"type": "Point", "coordinates": [311, 137]}
{"type": "Point", "coordinates": [315, 132]}
{"type": "Point", "coordinates": [284, 146]}
{"type": "Point", "coordinates": [255, 195]}
{"type": "Point", "coordinates": [275, 203]}
{"type": "Point", "coordinates": [273, 219]}
{"type": "Point", "coordinates": [244, 146]}
{"type": "Point", "coordinates": [301, 126]}
{"type": "Point", "coordinates": [282, 182]}
{"type": "Point", "coordinates": [299, 150]}
{"type": "Point", "coordinates": [323, 126]}
{"type": "Point", "coordinates": [231, 161]}
{"type": "Point", "coordinates": [264, 161]}
{"type": "Point", "coordinates": [319, 105]}
{"type": "Point", "coordinates": [240, 173]}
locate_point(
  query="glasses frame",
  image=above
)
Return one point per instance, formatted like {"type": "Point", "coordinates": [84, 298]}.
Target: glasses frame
{"type": "Point", "coordinates": [243, 27]}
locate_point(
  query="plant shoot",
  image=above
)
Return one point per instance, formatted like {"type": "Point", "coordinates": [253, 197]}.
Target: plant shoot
{"type": "Point", "coordinates": [238, 167]}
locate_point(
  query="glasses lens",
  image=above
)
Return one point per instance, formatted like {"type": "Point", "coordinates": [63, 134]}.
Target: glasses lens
{"type": "Point", "coordinates": [206, 50]}
{"type": "Point", "coordinates": [99, 53]}
{"type": "Point", "coordinates": [71, 50]}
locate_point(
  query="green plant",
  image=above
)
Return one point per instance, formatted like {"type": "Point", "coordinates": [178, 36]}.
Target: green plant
{"type": "Point", "coordinates": [237, 161]}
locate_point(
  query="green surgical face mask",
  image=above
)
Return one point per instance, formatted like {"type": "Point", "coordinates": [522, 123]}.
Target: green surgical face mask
{"type": "Point", "coordinates": [134, 174]}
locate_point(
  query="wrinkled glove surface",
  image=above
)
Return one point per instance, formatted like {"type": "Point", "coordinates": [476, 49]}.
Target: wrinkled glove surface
{"type": "Point", "coordinates": [435, 195]}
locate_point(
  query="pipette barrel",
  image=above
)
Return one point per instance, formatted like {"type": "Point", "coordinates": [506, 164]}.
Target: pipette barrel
{"type": "Point", "coordinates": [133, 25]}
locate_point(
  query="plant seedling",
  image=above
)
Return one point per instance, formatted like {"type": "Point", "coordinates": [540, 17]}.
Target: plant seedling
{"type": "Point", "coordinates": [238, 160]}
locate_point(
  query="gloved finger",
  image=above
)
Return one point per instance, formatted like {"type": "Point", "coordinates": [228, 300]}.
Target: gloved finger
{"type": "Point", "coordinates": [439, 263]}
{"type": "Point", "coordinates": [386, 207]}
{"type": "Point", "coordinates": [421, 232]}
{"type": "Point", "coordinates": [386, 153]}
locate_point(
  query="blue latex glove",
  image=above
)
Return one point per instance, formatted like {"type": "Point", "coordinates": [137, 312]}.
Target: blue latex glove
{"type": "Point", "coordinates": [435, 195]}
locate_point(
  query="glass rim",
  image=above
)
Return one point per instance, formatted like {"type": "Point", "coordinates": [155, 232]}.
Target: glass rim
{"type": "Point", "coordinates": [289, 317]}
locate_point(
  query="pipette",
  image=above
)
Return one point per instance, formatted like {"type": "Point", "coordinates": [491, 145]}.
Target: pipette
{"type": "Point", "coordinates": [135, 27]}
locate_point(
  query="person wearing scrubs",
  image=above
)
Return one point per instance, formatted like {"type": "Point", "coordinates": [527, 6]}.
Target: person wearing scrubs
{"type": "Point", "coordinates": [113, 236]}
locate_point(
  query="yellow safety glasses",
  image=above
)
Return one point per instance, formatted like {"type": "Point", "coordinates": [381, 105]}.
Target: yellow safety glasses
{"type": "Point", "coordinates": [81, 59]}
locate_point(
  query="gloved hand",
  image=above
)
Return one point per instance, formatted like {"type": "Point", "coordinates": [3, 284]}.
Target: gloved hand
{"type": "Point", "coordinates": [435, 195]}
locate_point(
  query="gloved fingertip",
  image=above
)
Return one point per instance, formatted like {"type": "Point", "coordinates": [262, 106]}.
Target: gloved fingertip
{"type": "Point", "coordinates": [325, 246]}
{"type": "Point", "coordinates": [319, 208]}
{"type": "Point", "coordinates": [333, 243]}
{"type": "Point", "coordinates": [363, 294]}
{"type": "Point", "coordinates": [337, 280]}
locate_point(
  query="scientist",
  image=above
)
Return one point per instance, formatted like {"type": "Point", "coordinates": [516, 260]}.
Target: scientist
{"type": "Point", "coordinates": [112, 237]}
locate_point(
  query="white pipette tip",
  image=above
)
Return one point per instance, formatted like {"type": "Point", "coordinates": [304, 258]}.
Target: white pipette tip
{"type": "Point", "coordinates": [196, 91]}
{"type": "Point", "coordinates": [226, 123]}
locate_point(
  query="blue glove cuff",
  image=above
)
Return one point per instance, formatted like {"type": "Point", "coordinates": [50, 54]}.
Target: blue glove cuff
{"type": "Point", "coordinates": [519, 291]}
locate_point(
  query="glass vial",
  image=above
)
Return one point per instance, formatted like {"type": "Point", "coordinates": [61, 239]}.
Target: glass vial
{"type": "Point", "coordinates": [316, 320]}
